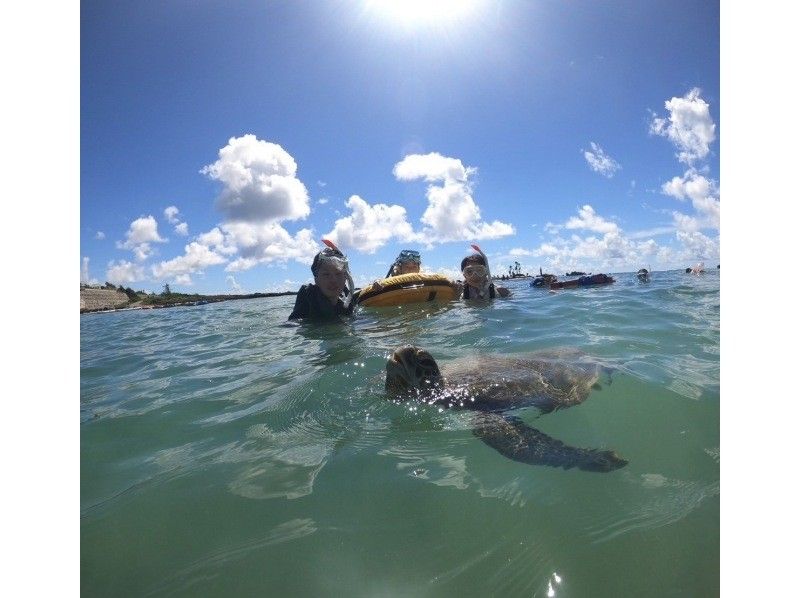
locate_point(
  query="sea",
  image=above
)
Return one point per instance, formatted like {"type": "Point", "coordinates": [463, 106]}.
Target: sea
{"type": "Point", "coordinates": [227, 452]}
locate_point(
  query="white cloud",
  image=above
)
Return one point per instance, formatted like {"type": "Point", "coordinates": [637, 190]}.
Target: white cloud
{"type": "Point", "coordinates": [286, 285]}
{"type": "Point", "coordinates": [171, 214]}
{"type": "Point", "coordinates": [686, 224]}
{"type": "Point", "coordinates": [123, 272]}
{"type": "Point", "coordinates": [322, 201]}
{"type": "Point", "coordinates": [698, 246]}
{"type": "Point", "coordinates": [196, 257]}
{"type": "Point", "coordinates": [369, 227]}
{"type": "Point", "coordinates": [615, 251]}
{"type": "Point", "coordinates": [183, 279]}
{"type": "Point", "coordinates": [452, 214]}
{"type": "Point", "coordinates": [264, 243]}
{"type": "Point", "coordinates": [267, 243]}
{"type": "Point", "coordinates": [235, 286]}
{"type": "Point", "coordinates": [689, 126]}
{"type": "Point", "coordinates": [216, 241]}
{"type": "Point", "coordinates": [552, 228]}
{"type": "Point", "coordinates": [85, 270]}
{"type": "Point", "coordinates": [702, 192]}
{"type": "Point", "coordinates": [600, 162]}
{"type": "Point", "coordinates": [100, 235]}
{"type": "Point", "coordinates": [587, 219]}
{"type": "Point", "coordinates": [85, 278]}
{"type": "Point", "coordinates": [520, 252]}
{"type": "Point", "coordinates": [695, 244]}
{"type": "Point", "coordinates": [432, 167]}
{"type": "Point", "coordinates": [241, 264]}
{"type": "Point", "coordinates": [611, 252]}
{"type": "Point", "coordinates": [260, 183]}
{"type": "Point", "coordinates": [651, 232]}
{"type": "Point", "coordinates": [141, 233]}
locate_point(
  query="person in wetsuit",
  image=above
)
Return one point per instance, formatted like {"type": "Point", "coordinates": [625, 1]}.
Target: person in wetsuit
{"type": "Point", "coordinates": [329, 296]}
{"type": "Point", "coordinates": [476, 279]}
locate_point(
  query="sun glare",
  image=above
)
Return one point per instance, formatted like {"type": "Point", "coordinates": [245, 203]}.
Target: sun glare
{"type": "Point", "coordinates": [413, 12]}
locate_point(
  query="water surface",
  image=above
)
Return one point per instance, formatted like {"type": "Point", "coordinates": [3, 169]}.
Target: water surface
{"type": "Point", "coordinates": [225, 451]}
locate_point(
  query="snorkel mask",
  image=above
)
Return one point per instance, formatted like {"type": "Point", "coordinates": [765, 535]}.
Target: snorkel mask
{"type": "Point", "coordinates": [333, 256]}
{"type": "Point", "coordinates": [406, 256]}
{"type": "Point", "coordinates": [477, 264]}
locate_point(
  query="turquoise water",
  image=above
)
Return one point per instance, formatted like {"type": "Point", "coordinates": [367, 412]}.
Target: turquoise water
{"type": "Point", "coordinates": [226, 452]}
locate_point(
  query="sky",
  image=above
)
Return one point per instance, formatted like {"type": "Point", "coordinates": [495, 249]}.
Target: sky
{"type": "Point", "coordinates": [221, 142]}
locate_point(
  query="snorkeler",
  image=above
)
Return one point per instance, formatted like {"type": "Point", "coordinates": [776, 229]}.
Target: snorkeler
{"type": "Point", "coordinates": [332, 293]}
{"type": "Point", "coordinates": [407, 262]}
{"type": "Point", "coordinates": [477, 279]}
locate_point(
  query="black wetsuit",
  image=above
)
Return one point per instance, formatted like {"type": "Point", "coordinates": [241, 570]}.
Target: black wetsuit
{"type": "Point", "coordinates": [466, 292]}
{"type": "Point", "coordinates": [311, 303]}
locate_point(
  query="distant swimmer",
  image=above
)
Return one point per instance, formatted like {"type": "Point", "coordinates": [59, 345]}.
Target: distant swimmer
{"type": "Point", "coordinates": [408, 261]}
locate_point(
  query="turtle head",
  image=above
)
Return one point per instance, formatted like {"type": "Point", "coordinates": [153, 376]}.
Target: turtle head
{"type": "Point", "coordinates": [411, 368]}
{"type": "Point", "coordinates": [602, 461]}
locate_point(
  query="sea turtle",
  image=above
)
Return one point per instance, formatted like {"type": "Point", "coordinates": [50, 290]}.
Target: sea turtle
{"type": "Point", "coordinates": [491, 385]}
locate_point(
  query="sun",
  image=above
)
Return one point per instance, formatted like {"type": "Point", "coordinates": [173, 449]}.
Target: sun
{"type": "Point", "coordinates": [414, 12]}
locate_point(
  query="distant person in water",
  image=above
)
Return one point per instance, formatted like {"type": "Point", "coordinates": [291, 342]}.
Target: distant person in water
{"type": "Point", "coordinates": [699, 268]}
{"type": "Point", "coordinates": [329, 296]}
{"type": "Point", "coordinates": [477, 283]}
{"type": "Point", "coordinates": [408, 262]}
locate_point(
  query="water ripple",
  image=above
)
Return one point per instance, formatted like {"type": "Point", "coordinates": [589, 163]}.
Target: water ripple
{"type": "Point", "coordinates": [231, 402]}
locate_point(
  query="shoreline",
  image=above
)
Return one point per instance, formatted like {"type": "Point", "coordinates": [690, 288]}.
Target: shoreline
{"type": "Point", "coordinates": [115, 304]}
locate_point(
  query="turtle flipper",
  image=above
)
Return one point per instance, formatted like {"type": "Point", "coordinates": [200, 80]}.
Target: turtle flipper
{"type": "Point", "coordinates": [512, 438]}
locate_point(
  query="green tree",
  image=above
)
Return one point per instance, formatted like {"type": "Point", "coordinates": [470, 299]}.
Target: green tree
{"type": "Point", "coordinates": [166, 289]}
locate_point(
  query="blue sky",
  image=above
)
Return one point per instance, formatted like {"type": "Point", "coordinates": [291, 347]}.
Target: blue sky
{"type": "Point", "coordinates": [221, 141]}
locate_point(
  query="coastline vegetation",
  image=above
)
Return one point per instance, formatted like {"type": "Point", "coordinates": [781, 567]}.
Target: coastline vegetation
{"type": "Point", "coordinates": [167, 298]}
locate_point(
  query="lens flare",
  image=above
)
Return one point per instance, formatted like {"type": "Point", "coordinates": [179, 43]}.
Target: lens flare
{"type": "Point", "coordinates": [409, 12]}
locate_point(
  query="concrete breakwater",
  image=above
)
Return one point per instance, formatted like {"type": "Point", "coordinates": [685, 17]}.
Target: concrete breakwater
{"type": "Point", "coordinates": [98, 299]}
{"type": "Point", "coordinates": [104, 299]}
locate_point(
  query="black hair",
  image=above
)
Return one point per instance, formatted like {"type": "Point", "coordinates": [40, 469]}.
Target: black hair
{"type": "Point", "coordinates": [475, 258]}
{"type": "Point", "coordinates": [327, 252]}
{"type": "Point", "coordinates": [407, 255]}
